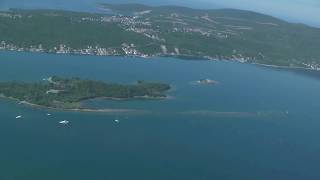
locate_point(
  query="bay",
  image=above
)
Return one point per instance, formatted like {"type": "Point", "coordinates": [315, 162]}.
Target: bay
{"type": "Point", "coordinates": [256, 123]}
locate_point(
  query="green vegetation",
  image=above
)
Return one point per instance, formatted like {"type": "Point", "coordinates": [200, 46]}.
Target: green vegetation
{"type": "Point", "coordinates": [67, 93]}
{"type": "Point", "coordinates": [139, 30]}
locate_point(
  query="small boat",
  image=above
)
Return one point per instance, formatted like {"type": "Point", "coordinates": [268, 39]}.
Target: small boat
{"type": "Point", "coordinates": [207, 81]}
{"type": "Point", "coordinates": [18, 117]}
{"type": "Point", "coordinates": [64, 122]}
{"type": "Point", "coordinates": [48, 114]}
{"type": "Point", "coordinates": [116, 120]}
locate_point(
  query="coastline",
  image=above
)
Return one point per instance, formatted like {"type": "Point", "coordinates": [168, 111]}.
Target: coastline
{"type": "Point", "coordinates": [283, 67]}
{"type": "Point", "coordinates": [181, 57]}
{"type": "Point", "coordinates": [107, 110]}
{"type": "Point", "coordinates": [133, 98]}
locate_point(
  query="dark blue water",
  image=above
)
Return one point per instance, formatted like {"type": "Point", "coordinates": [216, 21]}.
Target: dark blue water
{"type": "Point", "coordinates": [273, 132]}
{"type": "Point", "coordinates": [91, 5]}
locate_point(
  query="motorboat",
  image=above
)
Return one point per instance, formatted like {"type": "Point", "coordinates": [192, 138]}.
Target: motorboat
{"type": "Point", "coordinates": [64, 122]}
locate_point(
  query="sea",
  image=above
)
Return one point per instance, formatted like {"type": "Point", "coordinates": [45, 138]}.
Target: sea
{"type": "Point", "coordinates": [91, 5]}
{"type": "Point", "coordinates": [257, 123]}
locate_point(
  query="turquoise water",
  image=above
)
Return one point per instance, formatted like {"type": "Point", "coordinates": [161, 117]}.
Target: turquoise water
{"type": "Point", "coordinates": [273, 132]}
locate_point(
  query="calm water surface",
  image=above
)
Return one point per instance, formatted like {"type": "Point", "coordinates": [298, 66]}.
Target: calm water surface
{"type": "Point", "coordinates": [91, 5]}
{"type": "Point", "coordinates": [257, 123]}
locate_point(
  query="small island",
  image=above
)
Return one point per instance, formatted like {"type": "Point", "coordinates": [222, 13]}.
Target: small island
{"type": "Point", "coordinates": [68, 93]}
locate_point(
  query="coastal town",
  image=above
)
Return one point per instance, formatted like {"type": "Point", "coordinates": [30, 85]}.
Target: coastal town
{"type": "Point", "coordinates": [139, 23]}
{"type": "Point", "coordinates": [152, 32]}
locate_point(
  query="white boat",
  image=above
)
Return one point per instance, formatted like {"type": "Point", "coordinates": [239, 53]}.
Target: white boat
{"type": "Point", "coordinates": [207, 81]}
{"type": "Point", "coordinates": [18, 117]}
{"type": "Point", "coordinates": [64, 122]}
{"type": "Point", "coordinates": [116, 120]}
{"type": "Point", "coordinates": [48, 114]}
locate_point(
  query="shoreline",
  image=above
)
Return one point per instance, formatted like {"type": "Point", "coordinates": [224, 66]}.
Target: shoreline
{"type": "Point", "coordinates": [135, 57]}
{"type": "Point", "coordinates": [133, 98]}
{"type": "Point", "coordinates": [181, 57]}
{"type": "Point", "coordinates": [283, 67]}
{"type": "Point", "coordinates": [107, 110]}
